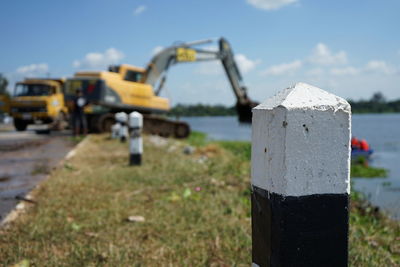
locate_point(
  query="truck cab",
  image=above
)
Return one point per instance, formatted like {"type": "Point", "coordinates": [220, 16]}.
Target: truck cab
{"type": "Point", "coordinates": [38, 101]}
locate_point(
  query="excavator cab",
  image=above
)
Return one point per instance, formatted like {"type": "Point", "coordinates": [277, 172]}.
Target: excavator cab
{"type": "Point", "coordinates": [128, 72]}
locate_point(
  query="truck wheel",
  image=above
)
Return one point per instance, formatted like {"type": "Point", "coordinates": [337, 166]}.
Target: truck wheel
{"type": "Point", "coordinates": [105, 122]}
{"type": "Point", "coordinates": [20, 125]}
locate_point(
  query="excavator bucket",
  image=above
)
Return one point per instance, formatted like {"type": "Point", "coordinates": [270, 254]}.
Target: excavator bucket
{"type": "Point", "coordinates": [244, 111]}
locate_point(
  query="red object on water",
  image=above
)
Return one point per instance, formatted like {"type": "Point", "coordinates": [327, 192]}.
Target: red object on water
{"type": "Point", "coordinates": [364, 145]}
{"type": "Point", "coordinates": [355, 143]}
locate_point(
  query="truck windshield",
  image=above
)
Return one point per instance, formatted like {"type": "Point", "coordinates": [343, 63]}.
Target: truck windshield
{"type": "Point", "coordinates": [32, 90]}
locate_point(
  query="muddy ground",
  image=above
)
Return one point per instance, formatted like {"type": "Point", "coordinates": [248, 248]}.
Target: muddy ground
{"type": "Point", "coordinates": [26, 158]}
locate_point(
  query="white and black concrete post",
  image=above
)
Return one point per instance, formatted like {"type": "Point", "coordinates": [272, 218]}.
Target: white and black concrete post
{"type": "Point", "coordinates": [122, 118]}
{"type": "Point", "coordinates": [136, 141]}
{"type": "Point", "coordinates": [116, 127]}
{"type": "Point", "coordinates": [300, 179]}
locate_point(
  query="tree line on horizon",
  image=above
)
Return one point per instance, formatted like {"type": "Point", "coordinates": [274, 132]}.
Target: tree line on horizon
{"type": "Point", "coordinates": [376, 104]}
{"type": "Point", "coordinates": [198, 110]}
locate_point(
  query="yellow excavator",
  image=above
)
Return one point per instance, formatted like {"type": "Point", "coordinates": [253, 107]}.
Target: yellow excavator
{"type": "Point", "coordinates": [128, 88]}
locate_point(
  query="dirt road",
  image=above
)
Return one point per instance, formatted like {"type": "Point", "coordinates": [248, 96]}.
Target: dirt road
{"type": "Point", "coordinates": [25, 159]}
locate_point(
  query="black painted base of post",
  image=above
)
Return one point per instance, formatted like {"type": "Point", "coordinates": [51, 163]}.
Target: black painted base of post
{"type": "Point", "coordinates": [135, 159]}
{"type": "Point", "coordinates": [299, 231]}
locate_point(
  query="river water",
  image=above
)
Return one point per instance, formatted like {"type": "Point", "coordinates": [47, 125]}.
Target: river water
{"type": "Point", "coordinates": [382, 131]}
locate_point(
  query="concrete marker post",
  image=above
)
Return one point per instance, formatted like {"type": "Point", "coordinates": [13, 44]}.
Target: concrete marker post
{"type": "Point", "coordinates": [115, 128]}
{"type": "Point", "coordinates": [136, 141]}
{"type": "Point", "coordinates": [123, 130]}
{"type": "Point", "coordinates": [301, 179]}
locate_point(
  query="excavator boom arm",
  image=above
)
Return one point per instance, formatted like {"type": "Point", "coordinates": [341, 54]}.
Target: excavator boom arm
{"type": "Point", "coordinates": [185, 52]}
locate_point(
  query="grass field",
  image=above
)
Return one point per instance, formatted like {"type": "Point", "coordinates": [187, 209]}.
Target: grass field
{"type": "Point", "coordinates": [196, 211]}
{"type": "Point", "coordinates": [360, 168]}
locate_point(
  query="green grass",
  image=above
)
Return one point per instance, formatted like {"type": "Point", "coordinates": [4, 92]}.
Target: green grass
{"type": "Point", "coordinates": [374, 238]}
{"type": "Point", "coordinates": [358, 170]}
{"type": "Point", "coordinates": [239, 148]}
{"type": "Point", "coordinates": [197, 139]}
{"type": "Point", "coordinates": [196, 210]}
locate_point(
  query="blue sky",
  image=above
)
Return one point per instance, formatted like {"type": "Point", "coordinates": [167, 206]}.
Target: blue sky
{"type": "Point", "coordinates": [350, 48]}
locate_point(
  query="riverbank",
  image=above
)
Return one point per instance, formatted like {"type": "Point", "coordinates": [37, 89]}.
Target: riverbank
{"type": "Point", "coordinates": [183, 206]}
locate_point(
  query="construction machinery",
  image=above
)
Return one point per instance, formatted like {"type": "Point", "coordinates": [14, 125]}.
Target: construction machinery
{"type": "Point", "coordinates": [127, 88]}
{"type": "Point", "coordinates": [4, 104]}
{"type": "Point", "coordinates": [39, 101]}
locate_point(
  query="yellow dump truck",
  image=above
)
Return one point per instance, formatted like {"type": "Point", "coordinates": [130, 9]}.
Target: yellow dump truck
{"type": "Point", "coordinates": [39, 101]}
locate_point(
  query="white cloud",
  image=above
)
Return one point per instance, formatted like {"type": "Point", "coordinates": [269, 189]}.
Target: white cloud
{"type": "Point", "coordinates": [28, 71]}
{"type": "Point", "coordinates": [99, 60]}
{"type": "Point", "coordinates": [316, 72]}
{"type": "Point", "coordinates": [322, 55]}
{"type": "Point", "coordinates": [270, 4]}
{"type": "Point", "coordinates": [33, 70]}
{"type": "Point", "coordinates": [344, 71]}
{"type": "Point", "coordinates": [156, 50]}
{"type": "Point", "coordinates": [139, 10]}
{"type": "Point", "coordinates": [245, 64]}
{"type": "Point", "coordinates": [379, 66]}
{"type": "Point", "coordinates": [284, 68]}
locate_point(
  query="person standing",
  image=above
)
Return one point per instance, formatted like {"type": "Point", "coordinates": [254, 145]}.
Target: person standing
{"type": "Point", "coordinates": [79, 121]}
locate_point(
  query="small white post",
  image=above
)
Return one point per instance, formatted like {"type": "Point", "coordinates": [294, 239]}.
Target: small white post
{"type": "Point", "coordinates": [115, 130]}
{"type": "Point", "coordinates": [122, 119]}
{"type": "Point", "coordinates": [136, 142]}
{"type": "Point", "coordinates": [300, 178]}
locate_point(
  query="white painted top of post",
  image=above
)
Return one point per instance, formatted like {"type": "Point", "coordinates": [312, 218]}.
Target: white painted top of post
{"type": "Point", "coordinates": [121, 117]}
{"type": "Point", "coordinates": [301, 143]}
{"type": "Point", "coordinates": [135, 120]}
{"type": "Point", "coordinates": [302, 95]}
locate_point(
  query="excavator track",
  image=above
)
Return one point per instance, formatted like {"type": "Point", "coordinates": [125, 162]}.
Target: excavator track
{"type": "Point", "coordinates": [161, 126]}
{"type": "Point", "coordinates": [152, 124]}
